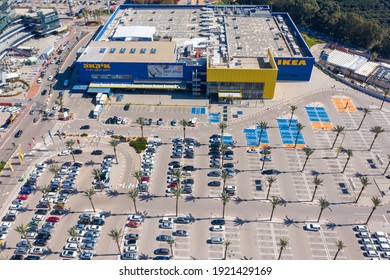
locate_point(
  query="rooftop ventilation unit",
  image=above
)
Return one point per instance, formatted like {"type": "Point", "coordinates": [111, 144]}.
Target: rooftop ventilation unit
{"type": "Point", "coordinates": [239, 47]}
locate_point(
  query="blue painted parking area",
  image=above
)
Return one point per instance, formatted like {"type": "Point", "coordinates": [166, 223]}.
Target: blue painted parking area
{"type": "Point", "coordinates": [289, 133]}
{"type": "Point", "coordinates": [214, 117]}
{"type": "Point", "coordinates": [317, 114]}
{"type": "Point", "coordinates": [198, 111]}
{"type": "Point", "coordinates": [228, 140]}
{"type": "Point", "coordinates": [252, 136]}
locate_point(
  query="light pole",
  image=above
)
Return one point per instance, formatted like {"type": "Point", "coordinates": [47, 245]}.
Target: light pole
{"type": "Point", "coordinates": [341, 145]}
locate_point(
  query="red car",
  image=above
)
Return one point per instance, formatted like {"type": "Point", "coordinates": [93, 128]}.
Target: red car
{"type": "Point", "coordinates": [173, 185]}
{"type": "Point", "coordinates": [53, 219]}
{"type": "Point", "coordinates": [144, 178]}
{"type": "Point", "coordinates": [133, 224]}
{"type": "Point", "coordinates": [22, 197]}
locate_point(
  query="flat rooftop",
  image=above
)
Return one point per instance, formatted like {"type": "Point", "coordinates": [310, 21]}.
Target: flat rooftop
{"type": "Point", "coordinates": [32, 12]}
{"type": "Point", "coordinates": [224, 34]}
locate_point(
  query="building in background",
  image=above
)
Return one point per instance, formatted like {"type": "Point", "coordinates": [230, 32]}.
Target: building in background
{"type": "Point", "coordinates": [225, 53]}
{"type": "Point", "coordinates": [6, 13]}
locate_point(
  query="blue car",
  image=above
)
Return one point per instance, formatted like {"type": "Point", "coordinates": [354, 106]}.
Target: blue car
{"type": "Point", "coordinates": [161, 258]}
{"type": "Point", "coordinates": [25, 191]}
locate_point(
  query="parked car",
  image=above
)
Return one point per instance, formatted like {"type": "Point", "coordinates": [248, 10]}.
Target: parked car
{"type": "Point", "coordinates": [312, 227]}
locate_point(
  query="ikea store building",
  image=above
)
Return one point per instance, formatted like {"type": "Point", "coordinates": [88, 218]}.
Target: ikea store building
{"type": "Point", "coordinates": [221, 52]}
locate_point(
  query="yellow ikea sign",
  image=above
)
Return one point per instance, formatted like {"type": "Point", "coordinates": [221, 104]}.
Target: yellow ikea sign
{"type": "Point", "coordinates": [96, 66]}
{"type": "Point", "coordinates": [294, 62]}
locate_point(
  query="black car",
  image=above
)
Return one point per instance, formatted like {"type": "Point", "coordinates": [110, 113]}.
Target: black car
{"type": "Point", "coordinates": [214, 184]}
{"type": "Point", "coordinates": [162, 251]}
{"type": "Point", "coordinates": [218, 222]}
{"type": "Point", "coordinates": [57, 212]}
{"type": "Point", "coordinates": [187, 190]}
{"type": "Point", "coordinates": [44, 92]}
{"type": "Point", "coordinates": [215, 144]}
{"type": "Point", "coordinates": [189, 168]}
{"type": "Point", "coordinates": [32, 258]}
{"type": "Point", "coordinates": [132, 236]}
{"type": "Point", "coordinates": [43, 205]}
{"type": "Point", "coordinates": [17, 257]}
{"type": "Point", "coordinates": [109, 120]}
{"type": "Point", "coordinates": [78, 164]}
{"type": "Point", "coordinates": [190, 155]}
{"type": "Point", "coordinates": [228, 165]}
{"type": "Point", "coordinates": [19, 133]}
{"type": "Point", "coordinates": [214, 174]}
{"type": "Point", "coordinates": [188, 181]}
{"type": "Point", "coordinates": [9, 218]}
{"type": "Point", "coordinates": [127, 107]}
{"type": "Point", "coordinates": [44, 236]}
{"type": "Point", "coordinates": [77, 152]}
{"type": "Point", "coordinates": [35, 120]}
{"type": "Point", "coordinates": [97, 152]}
{"type": "Point", "coordinates": [182, 220]}
{"type": "Point", "coordinates": [98, 222]}
{"type": "Point", "coordinates": [269, 172]}
{"type": "Point", "coordinates": [176, 155]}
{"type": "Point", "coordinates": [109, 156]}
{"type": "Point", "coordinates": [40, 242]}
{"type": "Point", "coordinates": [41, 212]}
{"type": "Point", "coordinates": [174, 163]}
{"type": "Point", "coordinates": [86, 126]}
{"type": "Point", "coordinates": [214, 153]}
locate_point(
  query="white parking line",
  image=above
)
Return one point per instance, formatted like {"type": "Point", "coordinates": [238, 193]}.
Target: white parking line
{"type": "Point", "coordinates": [325, 244]}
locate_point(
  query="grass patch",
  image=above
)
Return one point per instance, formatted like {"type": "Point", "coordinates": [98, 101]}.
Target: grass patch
{"type": "Point", "coordinates": [2, 165]}
{"type": "Point", "coordinates": [139, 144]}
{"type": "Point", "coordinates": [310, 41]}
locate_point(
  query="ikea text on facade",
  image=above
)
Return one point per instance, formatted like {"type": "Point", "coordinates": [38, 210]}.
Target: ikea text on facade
{"type": "Point", "coordinates": [295, 62]}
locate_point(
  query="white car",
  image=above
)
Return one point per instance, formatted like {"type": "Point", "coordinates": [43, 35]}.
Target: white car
{"type": "Point", "coordinates": [71, 246]}
{"type": "Point", "coordinates": [12, 212]}
{"type": "Point", "coordinates": [50, 78]}
{"type": "Point", "coordinates": [166, 225]}
{"type": "Point", "coordinates": [69, 254]}
{"type": "Point", "coordinates": [313, 227]}
{"type": "Point", "coordinates": [363, 235]}
{"type": "Point", "coordinates": [384, 247]}
{"type": "Point", "coordinates": [369, 247]}
{"type": "Point", "coordinates": [386, 255]}
{"type": "Point", "coordinates": [41, 165]}
{"type": "Point", "coordinates": [136, 217]}
{"type": "Point", "coordinates": [361, 228]}
{"type": "Point", "coordinates": [95, 228]}
{"type": "Point", "coordinates": [372, 253]}
{"type": "Point", "coordinates": [64, 153]}
{"type": "Point", "coordinates": [217, 228]}
{"type": "Point", "coordinates": [378, 234]}
{"type": "Point", "coordinates": [31, 235]}
{"type": "Point", "coordinates": [38, 218]}
{"type": "Point", "coordinates": [37, 251]}
{"type": "Point", "coordinates": [166, 219]}
{"type": "Point", "coordinates": [367, 241]}
{"type": "Point", "coordinates": [39, 80]}
{"type": "Point", "coordinates": [3, 236]}
{"type": "Point", "coordinates": [6, 224]}
{"type": "Point", "coordinates": [382, 240]}
{"type": "Point", "coordinates": [131, 249]}
{"type": "Point", "coordinates": [217, 240]}
{"type": "Point", "coordinates": [15, 207]}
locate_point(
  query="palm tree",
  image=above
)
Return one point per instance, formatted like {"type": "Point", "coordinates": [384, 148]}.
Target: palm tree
{"type": "Point", "coordinates": [184, 124]}
{"type": "Point", "coordinates": [54, 169]}
{"type": "Point", "coordinates": [365, 182]}
{"type": "Point", "coordinates": [171, 242]}
{"type": "Point", "coordinates": [178, 175]}
{"type": "Point", "coordinates": [133, 194]}
{"type": "Point", "coordinates": [45, 190]}
{"type": "Point", "coordinates": [141, 122]}
{"type": "Point", "coordinates": [275, 201]}
{"type": "Point", "coordinates": [270, 181]}
{"type": "Point", "coordinates": [73, 233]}
{"type": "Point", "coordinates": [317, 182]}
{"type": "Point", "coordinates": [349, 154]}
{"type": "Point", "coordinates": [97, 173]}
{"type": "Point", "coordinates": [263, 126]}
{"type": "Point", "coordinates": [138, 174]}
{"type": "Point", "coordinates": [69, 145]}
{"type": "Point", "coordinates": [90, 193]}
{"type": "Point", "coordinates": [222, 126]}
{"type": "Point", "coordinates": [384, 98]}
{"type": "Point", "coordinates": [222, 149]}
{"type": "Point", "coordinates": [293, 108]}
{"type": "Point", "coordinates": [113, 143]}
{"type": "Point", "coordinates": [283, 242]}
{"type": "Point", "coordinates": [23, 230]}
{"type": "Point", "coordinates": [388, 164]}
{"type": "Point", "coordinates": [224, 176]}
{"type": "Point", "coordinates": [61, 103]}
{"type": "Point", "coordinates": [177, 192]}
{"type": "Point", "coordinates": [323, 204]}
{"type": "Point", "coordinates": [376, 201]}
{"type": "Point", "coordinates": [116, 235]}
{"type": "Point", "coordinates": [338, 129]}
{"type": "Point", "coordinates": [226, 244]}
{"type": "Point", "coordinates": [340, 246]}
{"type": "Point", "coordinates": [376, 130]}
{"type": "Point", "coordinates": [300, 127]}
{"type": "Point", "coordinates": [266, 152]}
{"type": "Point", "coordinates": [225, 198]}
{"type": "Point", "coordinates": [308, 153]}
{"type": "Point", "coordinates": [365, 112]}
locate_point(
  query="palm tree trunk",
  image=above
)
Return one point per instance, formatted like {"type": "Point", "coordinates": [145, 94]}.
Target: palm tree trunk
{"type": "Point", "coordinates": [345, 166]}
{"type": "Point", "coordinates": [373, 141]}
{"type": "Point", "coordinates": [100, 184]}
{"type": "Point", "coordinates": [116, 157]}
{"type": "Point", "coordinates": [177, 206]}
{"type": "Point", "coordinates": [387, 167]}
{"type": "Point", "coordinates": [304, 165]}
{"type": "Point", "coordinates": [269, 189]}
{"type": "Point", "coordinates": [142, 131]}
{"type": "Point", "coordinates": [135, 206]}
{"type": "Point", "coordinates": [225, 253]}
{"type": "Point", "coordinates": [383, 102]}
{"type": "Point", "coordinates": [261, 134]}
{"type": "Point", "coordinates": [360, 193]}
{"type": "Point", "coordinates": [314, 193]}
{"type": "Point", "coordinates": [171, 245]}
{"type": "Point", "coordinates": [334, 142]}
{"type": "Point", "coordinates": [93, 206]}
{"type": "Point", "coordinates": [223, 210]}
{"type": "Point", "coordinates": [262, 166]}
{"type": "Point", "coordinates": [119, 247]}
{"type": "Point", "coordinates": [74, 160]}
{"type": "Point", "coordinates": [272, 213]}
{"type": "Point", "coordinates": [280, 253]}
{"type": "Point", "coordinates": [360, 125]}
{"type": "Point", "coordinates": [296, 140]}
{"type": "Point", "coordinates": [78, 246]}
{"type": "Point", "coordinates": [319, 217]}
{"type": "Point", "coordinates": [184, 134]}
{"type": "Point", "coordinates": [335, 257]}
{"type": "Point", "coordinates": [289, 124]}
{"type": "Point", "coordinates": [369, 217]}
{"type": "Point", "coordinates": [29, 243]}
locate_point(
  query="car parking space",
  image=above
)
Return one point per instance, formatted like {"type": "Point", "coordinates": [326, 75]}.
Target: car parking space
{"type": "Point", "coordinates": [216, 248]}
{"type": "Point", "coordinates": [323, 244]}
{"type": "Point", "coordinates": [252, 136]}
{"type": "Point", "coordinates": [343, 104]}
{"type": "Point", "coordinates": [268, 237]}
{"type": "Point", "coordinates": [318, 117]}
{"type": "Point", "coordinates": [289, 132]}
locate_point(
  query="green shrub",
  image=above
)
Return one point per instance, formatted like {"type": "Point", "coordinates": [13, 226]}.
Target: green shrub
{"type": "Point", "coordinates": [84, 135]}
{"type": "Point", "coordinates": [139, 144]}
{"type": "Point", "coordinates": [2, 165]}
